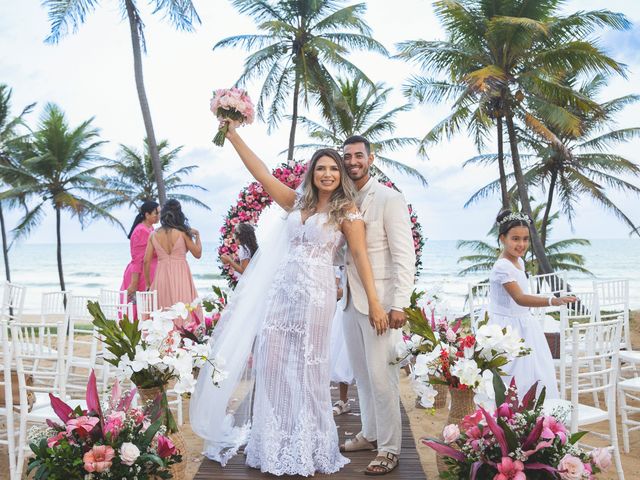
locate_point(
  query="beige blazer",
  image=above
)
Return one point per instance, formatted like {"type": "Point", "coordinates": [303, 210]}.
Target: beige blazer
{"type": "Point", "coordinates": [390, 248]}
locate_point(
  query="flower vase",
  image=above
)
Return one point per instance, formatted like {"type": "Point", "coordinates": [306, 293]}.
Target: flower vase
{"type": "Point", "coordinates": [441, 397]}
{"type": "Point", "coordinates": [178, 470]}
{"type": "Point", "coordinates": [462, 404]}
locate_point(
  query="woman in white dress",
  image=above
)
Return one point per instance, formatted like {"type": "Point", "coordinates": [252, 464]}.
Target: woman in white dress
{"type": "Point", "coordinates": [245, 237]}
{"type": "Point", "coordinates": [341, 371]}
{"type": "Point", "coordinates": [509, 303]}
{"type": "Point", "coordinates": [292, 430]}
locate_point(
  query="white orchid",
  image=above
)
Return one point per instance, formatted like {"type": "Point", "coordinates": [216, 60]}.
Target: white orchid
{"type": "Point", "coordinates": [421, 367]}
{"type": "Point", "coordinates": [467, 372]}
{"type": "Point", "coordinates": [485, 395]}
{"type": "Point", "coordinates": [426, 392]}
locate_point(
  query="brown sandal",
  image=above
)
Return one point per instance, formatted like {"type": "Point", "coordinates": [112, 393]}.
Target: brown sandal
{"type": "Point", "coordinates": [358, 443]}
{"type": "Point", "coordinates": [386, 461]}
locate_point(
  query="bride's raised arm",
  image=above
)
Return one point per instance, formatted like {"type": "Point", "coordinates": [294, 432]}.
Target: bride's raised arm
{"type": "Point", "coordinates": [281, 193]}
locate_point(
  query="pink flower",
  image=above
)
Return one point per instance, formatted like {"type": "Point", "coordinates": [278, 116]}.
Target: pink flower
{"type": "Point", "coordinates": [451, 433]}
{"type": "Point", "coordinates": [114, 423]}
{"type": "Point", "coordinates": [451, 335]}
{"type": "Point", "coordinates": [55, 440]}
{"type": "Point", "coordinates": [509, 469]}
{"type": "Point", "coordinates": [98, 459]}
{"type": "Point", "coordinates": [601, 458]}
{"type": "Point", "coordinates": [137, 415]}
{"type": "Point", "coordinates": [166, 448]}
{"type": "Point", "coordinates": [505, 411]}
{"type": "Point", "coordinates": [552, 428]}
{"type": "Point", "coordinates": [471, 420]}
{"type": "Point", "coordinates": [570, 468]}
{"type": "Point", "coordinates": [83, 425]}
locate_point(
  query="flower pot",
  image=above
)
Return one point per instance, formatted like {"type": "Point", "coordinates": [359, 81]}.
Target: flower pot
{"type": "Point", "coordinates": [461, 405]}
{"type": "Point", "coordinates": [177, 470]}
{"type": "Point", "coordinates": [441, 398]}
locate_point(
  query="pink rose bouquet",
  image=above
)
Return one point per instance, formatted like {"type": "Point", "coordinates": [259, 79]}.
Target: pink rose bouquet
{"type": "Point", "coordinates": [516, 441]}
{"type": "Point", "coordinates": [231, 104]}
{"type": "Point", "coordinates": [106, 441]}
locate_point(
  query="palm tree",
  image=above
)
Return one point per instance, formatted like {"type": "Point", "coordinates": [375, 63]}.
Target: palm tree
{"type": "Point", "coordinates": [501, 57]}
{"type": "Point", "coordinates": [561, 260]}
{"type": "Point", "coordinates": [300, 39]}
{"type": "Point", "coordinates": [585, 166]}
{"type": "Point", "coordinates": [8, 136]}
{"type": "Point", "coordinates": [57, 165]}
{"type": "Point", "coordinates": [70, 14]}
{"type": "Point", "coordinates": [361, 113]}
{"type": "Point", "coordinates": [132, 181]}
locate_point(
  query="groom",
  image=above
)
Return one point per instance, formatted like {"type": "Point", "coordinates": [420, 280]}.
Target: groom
{"type": "Point", "coordinates": [372, 356]}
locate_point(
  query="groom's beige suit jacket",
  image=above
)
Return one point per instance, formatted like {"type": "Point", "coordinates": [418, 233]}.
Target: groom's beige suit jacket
{"type": "Point", "coordinates": [390, 248]}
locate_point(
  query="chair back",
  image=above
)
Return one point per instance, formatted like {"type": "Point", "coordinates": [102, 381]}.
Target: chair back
{"type": "Point", "coordinates": [594, 369]}
{"type": "Point", "coordinates": [7, 425]}
{"type": "Point", "coordinates": [113, 304]}
{"type": "Point", "coordinates": [12, 301]}
{"type": "Point", "coordinates": [478, 302]}
{"type": "Point", "coordinates": [549, 284]}
{"type": "Point", "coordinates": [146, 303]}
{"type": "Point", "coordinates": [613, 302]}
{"type": "Point", "coordinates": [82, 342]}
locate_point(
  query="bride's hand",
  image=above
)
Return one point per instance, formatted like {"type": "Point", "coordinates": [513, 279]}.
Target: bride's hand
{"type": "Point", "coordinates": [378, 318]}
{"type": "Point", "coordinates": [232, 126]}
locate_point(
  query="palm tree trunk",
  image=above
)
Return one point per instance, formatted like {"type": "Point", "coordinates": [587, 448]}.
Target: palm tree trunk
{"type": "Point", "coordinates": [294, 120]}
{"type": "Point", "coordinates": [59, 248]}
{"type": "Point", "coordinates": [543, 262]}
{"type": "Point", "coordinates": [144, 103]}
{"type": "Point", "coordinates": [547, 210]}
{"type": "Point", "coordinates": [5, 246]}
{"type": "Point", "coordinates": [503, 176]}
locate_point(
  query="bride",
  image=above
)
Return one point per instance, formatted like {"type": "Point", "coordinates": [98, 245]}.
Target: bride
{"type": "Point", "coordinates": [275, 330]}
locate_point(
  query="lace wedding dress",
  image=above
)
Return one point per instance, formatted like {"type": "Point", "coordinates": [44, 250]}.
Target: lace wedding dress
{"type": "Point", "coordinates": [293, 431]}
{"type": "Point", "coordinates": [285, 417]}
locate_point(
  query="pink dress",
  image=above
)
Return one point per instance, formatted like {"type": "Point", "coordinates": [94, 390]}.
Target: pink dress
{"type": "Point", "coordinates": [173, 280]}
{"type": "Point", "coordinates": [138, 245]}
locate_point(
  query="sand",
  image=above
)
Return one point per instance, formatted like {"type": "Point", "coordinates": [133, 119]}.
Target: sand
{"type": "Point", "coordinates": [423, 424]}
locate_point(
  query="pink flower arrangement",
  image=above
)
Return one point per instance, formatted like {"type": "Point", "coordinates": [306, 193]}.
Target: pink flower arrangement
{"type": "Point", "coordinates": [108, 442]}
{"type": "Point", "coordinates": [516, 441]}
{"type": "Point", "coordinates": [231, 104]}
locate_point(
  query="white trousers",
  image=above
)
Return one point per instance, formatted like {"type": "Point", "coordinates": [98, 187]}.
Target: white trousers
{"type": "Point", "coordinates": [377, 378]}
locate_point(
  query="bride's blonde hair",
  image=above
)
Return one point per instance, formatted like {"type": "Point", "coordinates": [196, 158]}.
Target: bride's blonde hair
{"type": "Point", "coordinates": [342, 198]}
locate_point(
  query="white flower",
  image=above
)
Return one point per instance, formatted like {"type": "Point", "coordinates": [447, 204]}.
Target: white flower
{"type": "Point", "coordinates": [185, 384]}
{"type": "Point", "coordinates": [467, 371]}
{"type": "Point", "coordinates": [180, 310]}
{"type": "Point", "coordinates": [485, 396]}
{"type": "Point", "coordinates": [144, 358]}
{"type": "Point", "coordinates": [450, 433]}
{"type": "Point", "coordinates": [421, 368]}
{"type": "Point", "coordinates": [404, 348]}
{"type": "Point", "coordinates": [426, 392]}
{"type": "Point", "coordinates": [129, 453]}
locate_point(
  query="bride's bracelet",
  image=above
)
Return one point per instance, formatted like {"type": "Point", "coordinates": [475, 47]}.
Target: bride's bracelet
{"type": "Point", "coordinates": [551, 301]}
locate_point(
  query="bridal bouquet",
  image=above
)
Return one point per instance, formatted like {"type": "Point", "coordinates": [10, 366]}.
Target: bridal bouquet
{"type": "Point", "coordinates": [113, 440]}
{"type": "Point", "coordinates": [451, 354]}
{"type": "Point", "coordinates": [231, 104]}
{"type": "Point", "coordinates": [516, 441]}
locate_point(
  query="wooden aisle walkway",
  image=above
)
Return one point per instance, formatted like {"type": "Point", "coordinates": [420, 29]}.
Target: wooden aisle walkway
{"type": "Point", "coordinates": [349, 425]}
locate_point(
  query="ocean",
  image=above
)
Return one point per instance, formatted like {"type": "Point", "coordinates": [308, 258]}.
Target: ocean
{"type": "Point", "coordinates": [90, 267]}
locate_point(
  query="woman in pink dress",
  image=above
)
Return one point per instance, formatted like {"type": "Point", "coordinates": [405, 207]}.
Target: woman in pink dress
{"type": "Point", "coordinates": [133, 280]}
{"type": "Point", "coordinates": [170, 243]}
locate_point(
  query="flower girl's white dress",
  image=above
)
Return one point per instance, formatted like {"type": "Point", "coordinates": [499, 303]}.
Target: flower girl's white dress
{"type": "Point", "coordinates": [504, 311]}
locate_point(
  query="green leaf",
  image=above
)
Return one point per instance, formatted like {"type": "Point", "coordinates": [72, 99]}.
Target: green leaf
{"type": "Point", "coordinates": [499, 388]}
{"type": "Point", "coordinates": [574, 438]}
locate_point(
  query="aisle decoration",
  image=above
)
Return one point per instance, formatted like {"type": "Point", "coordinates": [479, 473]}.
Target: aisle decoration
{"type": "Point", "coordinates": [451, 354]}
{"type": "Point", "coordinates": [108, 441]}
{"type": "Point", "coordinates": [231, 104]}
{"type": "Point", "coordinates": [253, 200]}
{"type": "Point", "coordinates": [516, 441]}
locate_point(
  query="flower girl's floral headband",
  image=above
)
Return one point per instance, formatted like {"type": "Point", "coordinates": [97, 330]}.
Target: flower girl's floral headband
{"type": "Point", "coordinates": [515, 216]}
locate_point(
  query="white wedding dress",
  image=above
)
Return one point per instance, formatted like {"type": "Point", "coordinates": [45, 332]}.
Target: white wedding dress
{"type": "Point", "coordinates": [292, 430]}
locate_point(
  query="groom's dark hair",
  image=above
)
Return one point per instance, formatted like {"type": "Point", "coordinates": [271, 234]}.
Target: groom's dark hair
{"type": "Point", "coordinates": [358, 139]}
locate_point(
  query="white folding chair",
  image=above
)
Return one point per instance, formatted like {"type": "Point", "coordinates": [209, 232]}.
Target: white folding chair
{"type": "Point", "coordinates": [613, 302]}
{"type": "Point", "coordinates": [629, 391]}
{"type": "Point", "coordinates": [146, 303]}
{"type": "Point", "coordinates": [549, 284]}
{"type": "Point", "coordinates": [82, 343]}
{"type": "Point", "coordinates": [113, 304]}
{"type": "Point", "coordinates": [29, 357]}
{"type": "Point", "coordinates": [12, 301]}
{"type": "Point", "coordinates": [7, 422]}
{"type": "Point", "coordinates": [603, 342]}
{"type": "Point", "coordinates": [478, 302]}
{"type": "Point", "coordinates": [584, 310]}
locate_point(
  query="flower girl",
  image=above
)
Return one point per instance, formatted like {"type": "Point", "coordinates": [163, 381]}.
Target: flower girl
{"type": "Point", "coordinates": [509, 303]}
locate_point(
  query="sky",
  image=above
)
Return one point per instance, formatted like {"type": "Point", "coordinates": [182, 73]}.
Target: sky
{"type": "Point", "coordinates": [89, 73]}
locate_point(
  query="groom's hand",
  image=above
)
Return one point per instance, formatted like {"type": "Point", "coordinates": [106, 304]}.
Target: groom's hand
{"type": "Point", "coordinates": [397, 319]}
